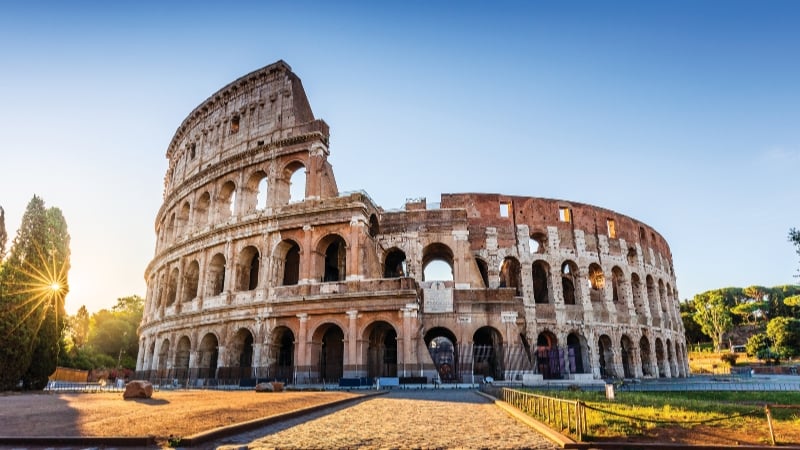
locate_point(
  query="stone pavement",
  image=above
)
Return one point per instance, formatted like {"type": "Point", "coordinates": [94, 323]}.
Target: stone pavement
{"type": "Point", "coordinates": [428, 418]}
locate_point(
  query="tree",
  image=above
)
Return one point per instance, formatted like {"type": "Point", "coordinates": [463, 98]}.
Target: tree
{"type": "Point", "coordinates": [759, 346]}
{"type": "Point", "coordinates": [691, 328]}
{"type": "Point", "coordinates": [784, 333]}
{"type": "Point", "coordinates": [794, 238]}
{"type": "Point", "coordinates": [114, 332]}
{"type": "Point", "coordinates": [33, 284]}
{"type": "Point", "coordinates": [713, 315]}
{"type": "Point", "coordinates": [79, 328]}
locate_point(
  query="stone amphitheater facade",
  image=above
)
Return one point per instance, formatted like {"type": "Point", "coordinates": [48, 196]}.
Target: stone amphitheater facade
{"type": "Point", "coordinates": [263, 269]}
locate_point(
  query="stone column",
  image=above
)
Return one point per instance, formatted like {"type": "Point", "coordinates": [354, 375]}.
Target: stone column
{"type": "Point", "coordinates": [307, 259]}
{"type": "Point", "coordinates": [409, 328]}
{"type": "Point", "coordinates": [351, 358]}
{"type": "Point", "coordinates": [301, 349]}
{"type": "Point", "coordinates": [353, 269]}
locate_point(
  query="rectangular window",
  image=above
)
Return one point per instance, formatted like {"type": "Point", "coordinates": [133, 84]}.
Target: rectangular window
{"type": "Point", "coordinates": [612, 228]}
{"type": "Point", "coordinates": [235, 125]}
{"type": "Point", "coordinates": [504, 209]}
{"type": "Point", "coordinates": [564, 214]}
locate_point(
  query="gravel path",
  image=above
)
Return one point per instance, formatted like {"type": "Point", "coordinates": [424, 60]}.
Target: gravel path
{"type": "Point", "coordinates": [401, 419]}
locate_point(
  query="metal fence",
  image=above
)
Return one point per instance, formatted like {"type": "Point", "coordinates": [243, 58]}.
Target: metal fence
{"type": "Point", "coordinates": [565, 416]}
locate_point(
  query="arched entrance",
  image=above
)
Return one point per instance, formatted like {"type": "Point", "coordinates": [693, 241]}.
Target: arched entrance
{"type": "Point", "coordinates": [241, 351]}
{"type": "Point", "coordinates": [181, 366]}
{"type": "Point", "coordinates": [606, 351]}
{"type": "Point", "coordinates": [442, 346]}
{"type": "Point", "coordinates": [487, 353]}
{"type": "Point", "coordinates": [626, 346]}
{"type": "Point", "coordinates": [282, 355]}
{"type": "Point", "coordinates": [549, 362]}
{"type": "Point", "coordinates": [644, 354]}
{"type": "Point", "coordinates": [381, 350]}
{"type": "Point", "coordinates": [577, 352]}
{"type": "Point", "coordinates": [660, 358]}
{"type": "Point", "coordinates": [329, 340]}
{"type": "Point", "coordinates": [207, 356]}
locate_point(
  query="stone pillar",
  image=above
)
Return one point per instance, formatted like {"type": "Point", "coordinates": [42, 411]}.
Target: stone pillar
{"type": "Point", "coordinates": [307, 256]}
{"type": "Point", "coordinates": [351, 358]}
{"type": "Point", "coordinates": [301, 349]}
{"type": "Point", "coordinates": [460, 272]}
{"type": "Point", "coordinates": [409, 329]}
{"type": "Point", "coordinates": [353, 269]}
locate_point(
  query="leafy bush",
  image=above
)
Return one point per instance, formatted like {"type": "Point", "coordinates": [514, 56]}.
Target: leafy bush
{"type": "Point", "coordinates": [729, 358]}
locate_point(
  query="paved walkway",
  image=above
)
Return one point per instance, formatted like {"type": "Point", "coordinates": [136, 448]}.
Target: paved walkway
{"type": "Point", "coordinates": [429, 418]}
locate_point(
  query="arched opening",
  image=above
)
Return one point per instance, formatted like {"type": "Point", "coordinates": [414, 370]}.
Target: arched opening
{"type": "Point", "coordinates": [510, 275]}
{"type": "Point", "coordinates": [163, 356]}
{"type": "Point", "coordinates": [241, 351]}
{"type": "Point", "coordinates": [537, 243]}
{"type": "Point", "coordinates": [282, 354]}
{"type": "Point", "coordinates": [183, 219]}
{"type": "Point", "coordinates": [374, 227]}
{"type": "Point", "coordinates": [618, 293]}
{"type": "Point", "coordinates": [171, 228]}
{"type": "Point", "coordinates": [335, 265]}
{"type": "Point", "coordinates": [207, 356]}
{"type": "Point", "coordinates": [190, 280]}
{"type": "Point", "coordinates": [330, 342]}
{"type": "Point", "coordinates": [297, 182]}
{"type": "Point", "coordinates": [437, 263]}
{"type": "Point", "coordinates": [442, 346]}
{"type": "Point", "coordinates": [606, 353]}
{"type": "Point", "coordinates": [201, 209]}
{"type": "Point", "coordinates": [638, 301]}
{"type": "Point", "coordinates": [549, 361]}
{"type": "Point", "coordinates": [483, 269]}
{"type": "Point", "coordinates": [597, 280]}
{"type": "Point", "coordinates": [577, 353]}
{"type": "Point", "coordinates": [662, 295]}
{"type": "Point", "coordinates": [487, 353]}
{"type": "Point", "coordinates": [644, 354]}
{"type": "Point", "coordinates": [569, 273]}
{"type": "Point", "coordinates": [660, 358]}
{"type": "Point", "coordinates": [256, 191]}
{"type": "Point", "coordinates": [181, 365]}
{"type": "Point", "coordinates": [671, 359]}
{"type": "Point", "coordinates": [151, 354]}
{"type": "Point", "coordinates": [395, 264]}
{"type": "Point", "coordinates": [172, 289]}
{"type": "Point", "coordinates": [381, 350]}
{"type": "Point", "coordinates": [249, 263]}
{"type": "Point", "coordinates": [216, 275]}
{"type": "Point", "coordinates": [626, 347]}
{"type": "Point", "coordinates": [288, 255]}
{"type": "Point", "coordinates": [540, 281]}
{"type": "Point", "coordinates": [652, 296]}
{"type": "Point", "coordinates": [227, 201]}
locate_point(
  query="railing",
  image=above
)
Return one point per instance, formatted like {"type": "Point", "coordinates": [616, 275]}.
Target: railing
{"type": "Point", "coordinates": [565, 416]}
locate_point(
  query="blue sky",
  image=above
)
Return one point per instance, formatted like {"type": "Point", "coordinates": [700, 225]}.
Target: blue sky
{"type": "Point", "coordinates": [681, 114]}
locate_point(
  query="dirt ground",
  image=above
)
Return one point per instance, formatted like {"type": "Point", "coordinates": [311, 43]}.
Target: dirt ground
{"type": "Point", "coordinates": [176, 413]}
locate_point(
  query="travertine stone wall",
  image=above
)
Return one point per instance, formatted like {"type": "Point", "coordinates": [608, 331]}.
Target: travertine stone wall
{"type": "Point", "coordinates": [263, 269]}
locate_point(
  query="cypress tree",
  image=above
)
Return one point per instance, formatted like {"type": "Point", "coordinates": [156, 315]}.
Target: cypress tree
{"type": "Point", "coordinates": [33, 284]}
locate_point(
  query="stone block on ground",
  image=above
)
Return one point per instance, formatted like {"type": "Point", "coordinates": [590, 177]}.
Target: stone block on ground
{"type": "Point", "coordinates": [138, 389]}
{"type": "Point", "coordinates": [274, 386]}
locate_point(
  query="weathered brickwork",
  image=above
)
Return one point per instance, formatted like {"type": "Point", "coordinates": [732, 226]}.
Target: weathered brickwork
{"type": "Point", "coordinates": [263, 269]}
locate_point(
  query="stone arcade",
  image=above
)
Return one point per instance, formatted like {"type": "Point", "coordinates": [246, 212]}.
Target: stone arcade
{"type": "Point", "coordinates": [263, 269]}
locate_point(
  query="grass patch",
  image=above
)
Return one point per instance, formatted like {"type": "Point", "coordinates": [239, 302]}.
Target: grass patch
{"type": "Point", "coordinates": [641, 413]}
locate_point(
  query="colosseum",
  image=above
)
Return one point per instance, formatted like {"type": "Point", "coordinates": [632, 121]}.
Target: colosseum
{"type": "Point", "coordinates": [264, 270]}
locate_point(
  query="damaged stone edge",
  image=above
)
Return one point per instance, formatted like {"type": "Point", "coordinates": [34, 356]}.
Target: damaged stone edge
{"type": "Point", "coordinates": [116, 441]}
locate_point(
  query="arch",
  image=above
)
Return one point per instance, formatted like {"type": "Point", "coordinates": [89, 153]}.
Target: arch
{"type": "Point", "coordinates": [644, 355]}
{"type": "Point", "coordinates": [295, 173]}
{"type": "Point", "coordinates": [328, 344]}
{"type": "Point", "coordinates": [216, 275]}
{"type": "Point", "coordinates": [395, 264]}
{"type": "Point", "coordinates": [171, 231]}
{"type": "Point", "coordinates": [483, 269]}
{"type": "Point", "coordinates": [606, 354]}
{"type": "Point", "coordinates": [181, 364]}
{"type": "Point", "coordinates": [577, 353]}
{"type": "Point", "coordinates": [662, 295]}
{"type": "Point", "coordinates": [334, 264]}
{"type": "Point", "coordinates": [510, 274]}
{"type": "Point", "coordinates": [163, 357]}
{"type": "Point", "coordinates": [487, 353]}
{"type": "Point", "coordinates": [597, 281]}
{"type": "Point", "coordinates": [569, 272]}
{"type": "Point", "coordinates": [618, 291]}
{"type": "Point", "coordinates": [671, 359]}
{"type": "Point", "coordinates": [201, 209]}
{"type": "Point", "coordinates": [549, 361]}
{"type": "Point", "coordinates": [282, 354]}
{"type": "Point", "coordinates": [374, 226]}
{"type": "Point", "coordinates": [287, 253]}
{"type": "Point", "coordinates": [381, 357]}
{"type": "Point", "coordinates": [207, 356]}
{"type": "Point", "coordinates": [255, 192]}
{"type": "Point", "coordinates": [172, 287]}
{"type": "Point", "coordinates": [660, 359]}
{"type": "Point", "coordinates": [183, 218]}
{"type": "Point", "coordinates": [537, 243]}
{"type": "Point", "coordinates": [190, 279]}
{"type": "Point", "coordinates": [149, 358]}
{"type": "Point", "coordinates": [652, 295]}
{"type": "Point", "coordinates": [443, 348]}
{"type": "Point", "coordinates": [241, 351]}
{"type": "Point", "coordinates": [626, 347]}
{"type": "Point", "coordinates": [226, 206]}
{"type": "Point", "coordinates": [438, 256]}
{"type": "Point", "coordinates": [541, 281]}
{"type": "Point", "coordinates": [638, 301]}
{"type": "Point", "coordinates": [248, 268]}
